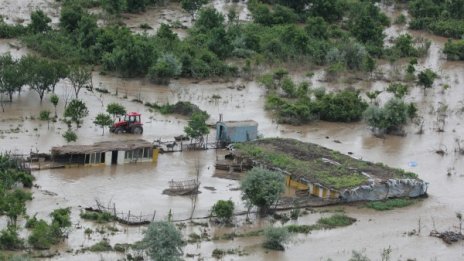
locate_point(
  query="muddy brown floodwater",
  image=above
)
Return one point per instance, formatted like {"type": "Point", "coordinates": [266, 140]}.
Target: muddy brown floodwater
{"type": "Point", "coordinates": [138, 188]}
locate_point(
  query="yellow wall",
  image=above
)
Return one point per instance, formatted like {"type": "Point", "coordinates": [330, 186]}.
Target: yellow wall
{"type": "Point", "coordinates": [155, 155]}
{"type": "Point", "coordinates": [295, 184]}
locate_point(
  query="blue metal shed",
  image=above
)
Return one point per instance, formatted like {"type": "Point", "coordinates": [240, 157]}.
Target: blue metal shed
{"type": "Point", "coordinates": [236, 131]}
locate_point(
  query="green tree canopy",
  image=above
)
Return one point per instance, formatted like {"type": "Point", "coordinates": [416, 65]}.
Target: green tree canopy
{"type": "Point", "coordinates": [76, 110]}
{"type": "Point", "coordinates": [115, 109]}
{"type": "Point", "coordinates": [80, 77]}
{"type": "Point", "coordinates": [192, 6]}
{"type": "Point", "coordinates": [197, 125]}
{"type": "Point", "coordinates": [163, 242]}
{"type": "Point", "coordinates": [262, 188]}
{"type": "Point", "coordinates": [103, 120]}
{"type": "Point", "coordinates": [223, 209]}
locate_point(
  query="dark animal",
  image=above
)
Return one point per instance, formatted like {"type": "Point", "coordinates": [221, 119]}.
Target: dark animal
{"type": "Point", "coordinates": [171, 146]}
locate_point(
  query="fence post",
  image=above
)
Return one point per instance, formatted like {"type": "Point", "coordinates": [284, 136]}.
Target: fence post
{"type": "Point", "coordinates": [153, 218]}
{"type": "Point", "coordinates": [128, 217]}
{"type": "Point", "coordinates": [114, 209]}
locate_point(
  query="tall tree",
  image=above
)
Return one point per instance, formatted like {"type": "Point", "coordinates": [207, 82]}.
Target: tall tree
{"type": "Point", "coordinates": [11, 76]}
{"type": "Point", "coordinates": [114, 7]}
{"type": "Point", "coordinates": [80, 77]}
{"type": "Point", "coordinates": [40, 74]}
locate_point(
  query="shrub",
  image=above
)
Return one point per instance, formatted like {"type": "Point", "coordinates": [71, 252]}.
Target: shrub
{"type": "Point", "coordinates": [391, 117]}
{"type": "Point", "coordinates": [337, 220]}
{"type": "Point", "coordinates": [101, 246]}
{"type": "Point", "coordinates": [102, 217]}
{"type": "Point", "coordinates": [10, 240]}
{"type": "Point", "coordinates": [223, 209]}
{"type": "Point", "coordinates": [275, 238]}
{"type": "Point", "coordinates": [42, 236]}
{"type": "Point", "coordinates": [166, 67]}
{"type": "Point", "coordinates": [70, 136]}
{"type": "Point", "coordinates": [163, 241]}
{"type": "Point", "coordinates": [454, 50]}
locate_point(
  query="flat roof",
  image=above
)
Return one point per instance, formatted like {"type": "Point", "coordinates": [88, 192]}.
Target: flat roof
{"type": "Point", "coordinates": [239, 123]}
{"type": "Point", "coordinates": [102, 147]}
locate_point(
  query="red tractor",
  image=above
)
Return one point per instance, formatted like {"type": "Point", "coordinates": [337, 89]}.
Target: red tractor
{"type": "Point", "coordinates": [130, 124]}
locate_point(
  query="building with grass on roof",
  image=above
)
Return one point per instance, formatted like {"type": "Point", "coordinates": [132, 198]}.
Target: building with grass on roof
{"type": "Point", "coordinates": [329, 174]}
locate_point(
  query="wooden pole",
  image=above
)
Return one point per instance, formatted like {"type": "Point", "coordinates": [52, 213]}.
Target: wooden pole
{"type": "Point", "coordinates": [153, 218]}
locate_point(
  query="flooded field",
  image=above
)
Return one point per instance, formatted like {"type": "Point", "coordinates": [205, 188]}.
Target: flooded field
{"type": "Point", "coordinates": [138, 188]}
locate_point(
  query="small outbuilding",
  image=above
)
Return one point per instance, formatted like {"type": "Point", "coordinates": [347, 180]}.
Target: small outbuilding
{"type": "Point", "coordinates": [105, 153]}
{"type": "Point", "coordinates": [236, 131]}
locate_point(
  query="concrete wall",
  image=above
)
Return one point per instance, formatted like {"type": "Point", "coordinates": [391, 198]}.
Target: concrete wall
{"type": "Point", "coordinates": [121, 155]}
{"type": "Point", "coordinates": [388, 189]}
{"type": "Point", "coordinates": [108, 157]}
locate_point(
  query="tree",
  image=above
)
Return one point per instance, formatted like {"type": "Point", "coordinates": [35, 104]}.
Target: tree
{"type": "Point", "coordinates": [391, 117]}
{"type": "Point", "coordinates": [224, 210]}
{"type": "Point", "coordinates": [192, 6]}
{"type": "Point", "coordinates": [10, 240]}
{"type": "Point", "coordinates": [45, 116]}
{"type": "Point", "coordinates": [76, 110]}
{"type": "Point", "coordinates": [115, 109]}
{"type": "Point", "coordinates": [262, 188]}
{"type": "Point", "coordinates": [39, 22]}
{"type": "Point", "coordinates": [11, 76]}
{"type": "Point", "coordinates": [114, 7]}
{"type": "Point", "coordinates": [275, 237]}
{"type": "Point", "coordinates": [40, 74]}
{"type": "Point", "coordinates": [54, 99]}
{"type": "Point", "coordinates": [162, 241]}
{"type": "Point", "coordinates": [70, 136]}
{"type": "Point", "coordinates": [14, 204]}
{"type": "Point", "coordinates": [426, 78]}
{"type": "Point", "coordinates": [80, 77]}
{"type": "Point", "coordinates": [166, 67]}
{"type": "Point", "coordinates": [103, 120]}
{"type": "Point", "coordinates": [197, 127]}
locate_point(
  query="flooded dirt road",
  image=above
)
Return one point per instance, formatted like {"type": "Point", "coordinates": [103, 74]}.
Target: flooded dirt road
{"type": "Point", "coordinates": [138, 188]}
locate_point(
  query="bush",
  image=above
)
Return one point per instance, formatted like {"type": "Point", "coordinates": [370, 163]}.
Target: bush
{"type": "Point", "coordinates": [391, 117]}
{"type": "Point", "coordinates": [223, 209]}
{"type": "Point", "coordinates": [101, 246]}
{"type": "Point", "coordinates": [337, 220]}
{"type": "Point", "coordinates": [166, 67]}
{"type": "Point", "coordinates": [70, 136]}
{"type": "Point", "coordinates": [42, 236]}
{"type": "Point", "coordinates": [98, 217]}
{"type": "Point", "coordinates": [162, 241]}
{"type": "Point", "coordinates": [344, 106]}
{"type": "Point", "coordinates": [454, 50]}
{"type": "Point", "coordinates": [9, 239]}
{"type": "Point", "coordinates": [274, 238]}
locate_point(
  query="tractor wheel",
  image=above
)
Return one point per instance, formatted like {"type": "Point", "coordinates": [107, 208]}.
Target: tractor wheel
{"type": "Point", "coordinates": [118, 131]}
{"type": "Point", "coordinates": [137, 130]}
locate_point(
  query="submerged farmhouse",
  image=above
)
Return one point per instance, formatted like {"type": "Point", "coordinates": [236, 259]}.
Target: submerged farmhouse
{"type": "Point", "coordinates": [326, 173]}
{"type": "Point", "coordinates": [236, 131]}
{"type": "Point", "coordinates": [105, 153]}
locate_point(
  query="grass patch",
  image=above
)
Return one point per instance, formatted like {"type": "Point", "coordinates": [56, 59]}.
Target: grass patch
{"type": "Point", "coordinates": [337, 220]}
{"type": "Point", "coordinates": [98, 217]}
{"type": "Point", "coordinates": [390, 204]}
{"type": "Point", "coordinates": [316, 163]}
{"type": "Point", "coordinates": [185, 108]}
{"type": "Point", "coordinates": [101, 246]}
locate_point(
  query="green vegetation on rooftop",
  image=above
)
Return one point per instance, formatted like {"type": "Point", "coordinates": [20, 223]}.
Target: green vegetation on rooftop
{"type": "Point", "coordinates": [316, 163]}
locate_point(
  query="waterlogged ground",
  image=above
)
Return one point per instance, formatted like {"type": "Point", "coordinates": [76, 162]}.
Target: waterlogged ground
{"type": "Point", "coordinates": [138, 187]}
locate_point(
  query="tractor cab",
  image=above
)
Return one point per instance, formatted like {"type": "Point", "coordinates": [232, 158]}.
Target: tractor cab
{"type": "Point", "coordinates": [131, 123]}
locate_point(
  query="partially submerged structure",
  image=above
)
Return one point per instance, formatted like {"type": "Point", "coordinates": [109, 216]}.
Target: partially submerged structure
{"type": "Point", "coordinates": [236, 131]}
{"type": "Point", "coordinates": [326, 173]}
{"type": "Point", "coordinates": [105, 153]}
